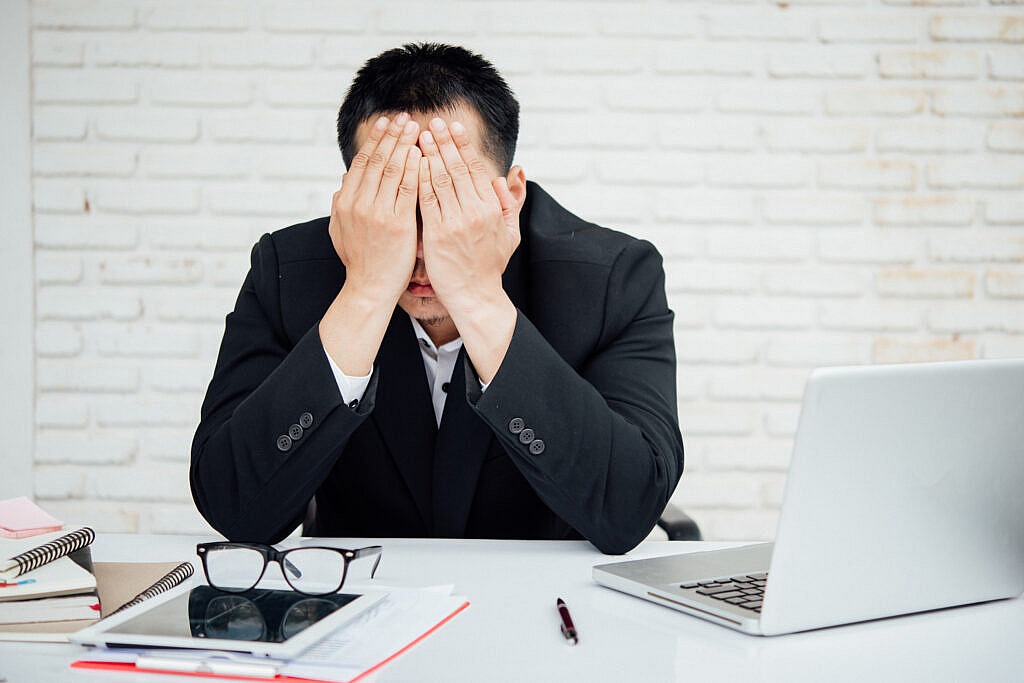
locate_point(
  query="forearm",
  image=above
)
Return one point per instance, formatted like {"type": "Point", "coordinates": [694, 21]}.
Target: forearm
{"type": "Point", "coordinates": [352, 328]}
{"type": "Point", "coordinates": [486, 327]}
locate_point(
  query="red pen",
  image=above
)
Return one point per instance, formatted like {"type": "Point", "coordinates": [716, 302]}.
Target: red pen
{"type": "Point", "coordinates": [5, 584]}
{"type": "Point", "coordinates": [568, 629]}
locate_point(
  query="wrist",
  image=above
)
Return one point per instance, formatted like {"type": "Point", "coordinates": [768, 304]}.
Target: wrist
{"type": "Point", "coordinates": [370, 293]}
{"type": "Point", "coordinates": [486, 332]}
{"type": "Point", "coordinates": [352, 328]}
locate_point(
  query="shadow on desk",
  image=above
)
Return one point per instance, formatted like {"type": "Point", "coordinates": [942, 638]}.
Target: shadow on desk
{"type": "Point", "coordinates": [676, 524]}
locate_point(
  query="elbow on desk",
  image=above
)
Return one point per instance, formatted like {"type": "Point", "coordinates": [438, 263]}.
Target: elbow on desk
{"type": "Point", "coordinates": [218, 501]}
{"type": "Point", "coordinates": [619, 536]}
{"type": "Point", "coordinates": [622, 530]}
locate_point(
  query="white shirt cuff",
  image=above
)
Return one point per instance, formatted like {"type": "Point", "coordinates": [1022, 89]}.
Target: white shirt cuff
{"type": "Point", "coordinates": [351, 388]}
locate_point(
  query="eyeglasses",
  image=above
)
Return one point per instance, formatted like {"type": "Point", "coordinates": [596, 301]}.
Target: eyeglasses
{"type": "Point", "coordinates": [310, 570]}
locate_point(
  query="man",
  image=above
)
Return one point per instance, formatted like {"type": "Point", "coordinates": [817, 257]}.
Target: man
{"type": "Point", "coordinates": [451, 353]}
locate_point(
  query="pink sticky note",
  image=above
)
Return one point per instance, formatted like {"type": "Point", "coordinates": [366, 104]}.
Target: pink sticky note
{"type": "Point", "coordinates": [20, 518]}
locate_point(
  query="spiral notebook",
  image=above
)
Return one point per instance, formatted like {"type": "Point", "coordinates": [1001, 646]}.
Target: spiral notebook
{"type": "Point", "coordinates": [119, 585]}
{"type": "Point", "coordinates": [48, 565]}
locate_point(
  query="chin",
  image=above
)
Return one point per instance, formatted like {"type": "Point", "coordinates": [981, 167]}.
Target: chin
{"type": "Point", "coordinates": [422, 308]}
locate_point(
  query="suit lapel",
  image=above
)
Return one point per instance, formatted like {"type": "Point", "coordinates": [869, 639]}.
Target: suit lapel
{"type": "Point", "coordinates": [404, 412]}
{"type": "Point", "coordinates": [462, 443]}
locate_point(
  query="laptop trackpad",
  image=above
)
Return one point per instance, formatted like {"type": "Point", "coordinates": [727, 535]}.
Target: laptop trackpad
{"type": "Point", "coordinates": [695, 566]}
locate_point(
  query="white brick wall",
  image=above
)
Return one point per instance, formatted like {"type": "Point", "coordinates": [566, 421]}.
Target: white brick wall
{"type": "Point", "coordinates": [830, 182]}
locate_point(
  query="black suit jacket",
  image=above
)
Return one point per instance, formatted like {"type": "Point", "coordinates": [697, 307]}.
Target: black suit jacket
{"type": "Point", "coordinates": [590, 374]}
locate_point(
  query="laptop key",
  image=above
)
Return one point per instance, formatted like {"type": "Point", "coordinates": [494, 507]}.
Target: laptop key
{"type": "Point", "coordinates": [753, 591]}
{"type": "Point", "coordinates": [689, 585]}
{"type": "Point", "coordinates": [711, 590]}
{"type": "Point", "coordinates": [730, 594]}
{"type": "Point", "coordinates": [737, 601]}
{"type": "Point", "coordinates": [751, 605]}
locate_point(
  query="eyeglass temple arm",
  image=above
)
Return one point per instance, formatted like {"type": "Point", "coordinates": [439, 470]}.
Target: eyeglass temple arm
{"type": "Point", "coordinates": [292, 568]}
{"type": "Point", "coordinates": [369, 550]}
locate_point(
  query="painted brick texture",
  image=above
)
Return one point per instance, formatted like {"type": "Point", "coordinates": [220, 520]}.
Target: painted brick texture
{"type": "Point", "coordinates": [830, 183]}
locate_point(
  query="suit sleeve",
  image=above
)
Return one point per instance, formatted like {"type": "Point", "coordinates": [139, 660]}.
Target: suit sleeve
{"type": "Point", "coordinates": [600, 446]}
{"type": "Point", "coordinates": [252, 472]}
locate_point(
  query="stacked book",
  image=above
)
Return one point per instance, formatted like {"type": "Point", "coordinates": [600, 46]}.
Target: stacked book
{"type": "Point", "coordinates": [48, 578]}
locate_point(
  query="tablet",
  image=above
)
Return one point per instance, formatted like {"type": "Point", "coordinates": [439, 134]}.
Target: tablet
{"type": "Point", "coordinates": [260, 621]}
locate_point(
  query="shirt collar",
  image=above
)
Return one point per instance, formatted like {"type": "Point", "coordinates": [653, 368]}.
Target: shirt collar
{"type": "Point", "coordinates": [427, 345]}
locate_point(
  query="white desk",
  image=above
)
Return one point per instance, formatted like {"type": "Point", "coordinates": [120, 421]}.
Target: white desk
{"type": "Point", "coordinates": [510, 632]}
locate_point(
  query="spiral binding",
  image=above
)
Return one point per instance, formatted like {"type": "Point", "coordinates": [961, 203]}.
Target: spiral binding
{"type": "Point", "coordinates": [58, 547]}
{"type": "Point", "coordinates": [166, 582]}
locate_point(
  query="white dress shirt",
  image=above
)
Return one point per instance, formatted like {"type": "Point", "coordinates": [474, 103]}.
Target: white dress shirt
{"type": "Point", "coordinates": [438, 361]}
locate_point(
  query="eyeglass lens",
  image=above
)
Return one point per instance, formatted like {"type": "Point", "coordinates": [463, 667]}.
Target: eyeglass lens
{"type": "Point", "coordinates": [233, 568]}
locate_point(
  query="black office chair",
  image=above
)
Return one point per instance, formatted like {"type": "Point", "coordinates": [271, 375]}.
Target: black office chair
{"type": "Point", "coordinates": [677, 524]}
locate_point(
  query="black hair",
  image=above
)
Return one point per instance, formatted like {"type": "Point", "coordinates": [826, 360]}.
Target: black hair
{"type": "Point", "coordinates": [426, 77]}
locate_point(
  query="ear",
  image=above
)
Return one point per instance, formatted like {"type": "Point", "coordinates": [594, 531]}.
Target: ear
{"type": "Point", "coordinates": [516, 180]}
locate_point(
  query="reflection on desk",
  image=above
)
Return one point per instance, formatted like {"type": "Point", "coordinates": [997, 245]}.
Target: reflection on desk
{"type": "Point", "coordinates": [511, 632]}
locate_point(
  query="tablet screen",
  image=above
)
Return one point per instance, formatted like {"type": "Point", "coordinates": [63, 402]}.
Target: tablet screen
{"type": "Point", "coordinates": [257, 615]}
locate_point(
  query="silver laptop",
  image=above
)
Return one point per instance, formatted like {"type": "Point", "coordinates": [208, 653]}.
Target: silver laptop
{"type": "Point", "coordinates": [905, 494]}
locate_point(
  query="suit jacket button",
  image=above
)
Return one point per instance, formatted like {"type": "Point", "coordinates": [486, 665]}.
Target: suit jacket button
{"type": "Point", "coordinates": [306, 420]}
{"type": "Point", "coordinates": [284, 443]}
{"type": "Point", "coordinates": [526, 436]}
{"type": "Point", "coordinates": [516, 425]}
{"type": "Point", "coordinates": [295, 432]}
{"type": "Point", "coordinates": [353, 404]}
{"type": "Point", "coordinates": [537, 447]}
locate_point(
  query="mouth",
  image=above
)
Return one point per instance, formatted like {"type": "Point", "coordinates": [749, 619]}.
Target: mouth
{"type": "Point", "coordinates": [420, 289]}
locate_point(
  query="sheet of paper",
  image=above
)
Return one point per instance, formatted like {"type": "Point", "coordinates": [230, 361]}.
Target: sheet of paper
{"type": "Point", "coordinates": [396, 623]}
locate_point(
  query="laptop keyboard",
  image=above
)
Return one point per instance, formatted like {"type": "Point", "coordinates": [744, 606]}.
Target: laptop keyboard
{"type": "Point", "coordinates": [745, 590]}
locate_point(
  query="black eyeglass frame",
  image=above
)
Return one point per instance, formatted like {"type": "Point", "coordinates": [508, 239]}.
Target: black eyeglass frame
{"type": "Point", "coordinates": [272, 554]}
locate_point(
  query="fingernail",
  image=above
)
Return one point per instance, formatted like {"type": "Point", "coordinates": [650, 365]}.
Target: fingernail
{"type": "Point", "coordinates": [457, 128]}
{"type": "Point", "coordinates": [381, 123]}
{"type": "Point", "coordinates": [410, 126]}
{"type": "Point", "coordinates": [401, 118]}
{"type": "Point", "coordinates": [437, 124]}
{"type": "Point", "coordinates": [427, 138]}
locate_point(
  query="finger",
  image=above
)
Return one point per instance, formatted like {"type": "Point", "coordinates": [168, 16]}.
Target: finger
{"type": "Point", "coordinates": [430, 209]}
{"type": "Point", "coordinates": [478, 170]}
{"type": "Point", "coordinates": [380, 157]}
{"type": "Point", "coordinates": [453, 161]}
{"type": "Point", "coordinates": [440, 180]}
{"type": "Point", "coordinates": [362, 157]}
{"type": "Point", "coordinates": [408, 190]}
{"type": "Point", "coordinates": [394, 171]}
{"type": "Point", "coordinates": [505, 198]}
